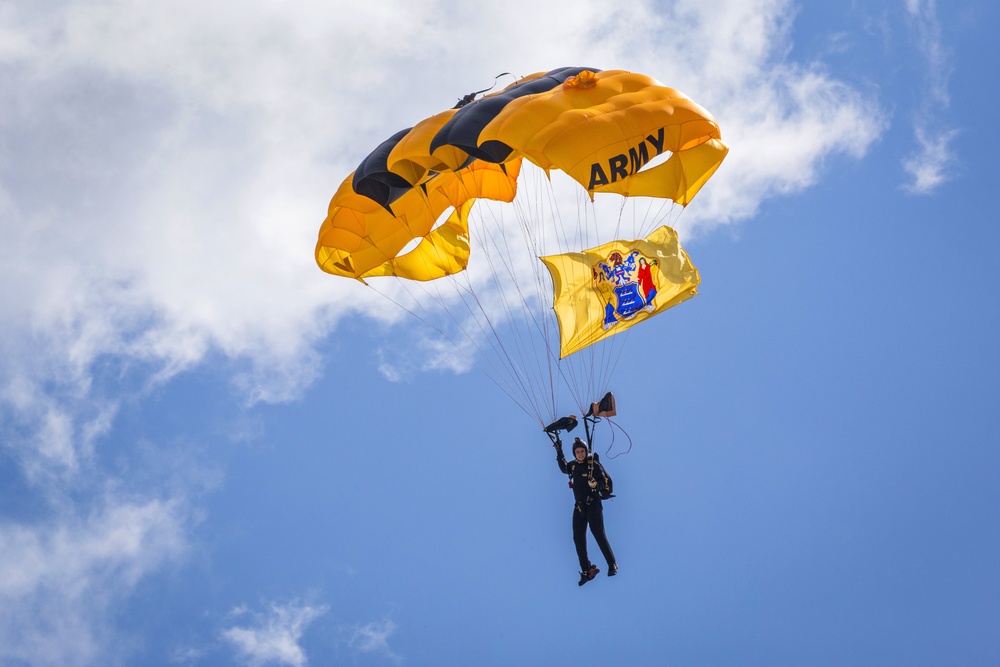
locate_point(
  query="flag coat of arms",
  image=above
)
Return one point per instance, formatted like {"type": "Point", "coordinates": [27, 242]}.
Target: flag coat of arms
{"type": "Point", "coordinates": [605, 290]}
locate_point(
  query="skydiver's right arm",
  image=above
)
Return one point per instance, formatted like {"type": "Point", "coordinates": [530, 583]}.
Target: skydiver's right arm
{"type": "Point", "coordinates": [560, 458]}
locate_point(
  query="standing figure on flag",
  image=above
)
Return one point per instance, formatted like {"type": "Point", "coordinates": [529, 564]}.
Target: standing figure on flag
{"type": "Point", "coordinates": [606, 291]}
{"type": "Point", "coordinates": [646, 282]}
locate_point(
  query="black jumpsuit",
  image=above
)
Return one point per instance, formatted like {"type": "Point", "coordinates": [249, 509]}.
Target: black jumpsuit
{"type": "Point", "coordinates": [588, 509]}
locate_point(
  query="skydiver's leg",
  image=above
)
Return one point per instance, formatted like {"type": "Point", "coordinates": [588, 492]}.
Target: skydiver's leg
{"type": "Point", "coordinates": [595, 517]}
{"type": "Point", "coordinates": [580, 537]}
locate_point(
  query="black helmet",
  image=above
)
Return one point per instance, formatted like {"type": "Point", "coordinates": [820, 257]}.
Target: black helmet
{"type": "Point", "coordinates": [579, 444]}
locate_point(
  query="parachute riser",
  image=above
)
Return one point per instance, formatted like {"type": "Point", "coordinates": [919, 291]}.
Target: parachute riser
{"type": "Point", "coordinates": [602, 408]}
{"type": "Point", "coordinates": [587, 423]}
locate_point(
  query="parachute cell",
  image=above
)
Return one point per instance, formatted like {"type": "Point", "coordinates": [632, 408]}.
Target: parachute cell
{"type": "Point", "coordinates": [362, 237]}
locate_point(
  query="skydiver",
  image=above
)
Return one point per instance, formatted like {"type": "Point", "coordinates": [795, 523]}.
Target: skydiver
{"type": "Point", "coordinates": [587, 479]}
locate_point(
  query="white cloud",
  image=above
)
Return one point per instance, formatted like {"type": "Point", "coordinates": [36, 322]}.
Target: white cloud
{"type": "Point", "coordinates": [169, 168]}
{"type": "Point", "coordinates": [274, 636]}
{"type": "Point", "coordinates": [930, 165]}
{"type": "Point", "coordinates": [59, 578]}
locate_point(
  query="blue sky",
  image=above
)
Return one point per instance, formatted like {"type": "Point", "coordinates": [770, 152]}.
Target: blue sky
{"type": "Point", "coordinates": [211, 453]}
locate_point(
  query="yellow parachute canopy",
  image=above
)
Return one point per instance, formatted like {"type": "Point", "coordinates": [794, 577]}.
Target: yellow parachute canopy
{"type": "Point", "coordinates": [605, 129]}
{"type": "Point", "coordinates": [605, 290]}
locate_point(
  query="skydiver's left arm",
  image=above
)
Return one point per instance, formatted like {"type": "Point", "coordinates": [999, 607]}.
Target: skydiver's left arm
{"type": "Point", "coordinates": [600, 476]}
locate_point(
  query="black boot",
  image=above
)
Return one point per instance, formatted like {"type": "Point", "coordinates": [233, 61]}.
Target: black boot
{"type": "Point", "coordinates": [588, 574]}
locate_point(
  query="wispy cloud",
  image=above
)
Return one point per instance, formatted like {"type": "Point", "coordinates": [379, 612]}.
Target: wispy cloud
{"type": "Point", "coordinates": [927, 29]}
{"type": "Point", "coordinates": [930, 165]}
{"type": "Point", "coordinates": [373, 638]}
{"type": "Point", "coordinates": [59, 578]}
{"type": "Point", "coordinates": [273, 637]}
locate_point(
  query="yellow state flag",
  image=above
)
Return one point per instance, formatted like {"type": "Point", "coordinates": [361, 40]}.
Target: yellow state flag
{"type": "Point", "coordinates": [605, 290]}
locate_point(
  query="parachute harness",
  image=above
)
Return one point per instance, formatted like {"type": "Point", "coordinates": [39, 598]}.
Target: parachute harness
{"type": "Point", "coordinates": [605, 408]}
